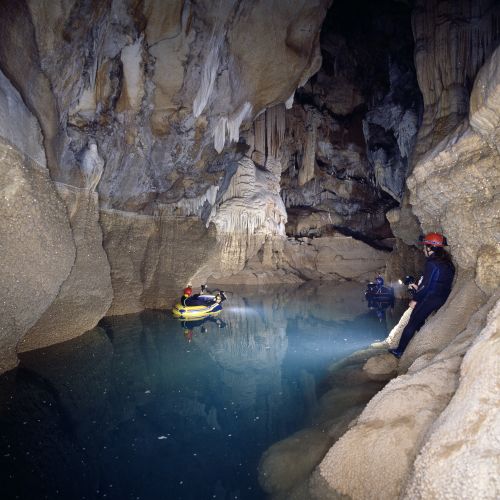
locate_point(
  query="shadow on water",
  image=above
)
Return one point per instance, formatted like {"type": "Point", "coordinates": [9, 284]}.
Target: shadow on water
{"type": "Point", "coordinates": [146, 406]}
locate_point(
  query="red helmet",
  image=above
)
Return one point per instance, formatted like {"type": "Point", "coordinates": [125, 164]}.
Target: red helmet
{"type": "Point", "coordinates": [188, 291]}
{"type": "Point", "coordinates": [434, 240]}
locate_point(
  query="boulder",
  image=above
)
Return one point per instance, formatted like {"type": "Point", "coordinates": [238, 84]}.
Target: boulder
{"type": "Point", "coordinates": [460, 457]}
{"type": "Point", "coordinates": [383, 367]}
{"type": "Point", "coordinates": [289, 462]}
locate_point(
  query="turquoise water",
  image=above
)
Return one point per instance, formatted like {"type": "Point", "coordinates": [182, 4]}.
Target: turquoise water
{"type": "Point", "coordinates": [145, 407]}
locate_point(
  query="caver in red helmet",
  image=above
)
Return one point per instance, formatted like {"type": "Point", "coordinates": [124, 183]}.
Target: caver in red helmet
{"type": "Point", "coordinates": [188, 291]}
{"type": "Point", "coordinates": [434, 240]}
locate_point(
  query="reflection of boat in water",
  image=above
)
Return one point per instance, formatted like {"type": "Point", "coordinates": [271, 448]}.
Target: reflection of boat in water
{"type": "Point", "coordinates": [199, 306]}
{"type": "Point", "coordinates": [191, 324]}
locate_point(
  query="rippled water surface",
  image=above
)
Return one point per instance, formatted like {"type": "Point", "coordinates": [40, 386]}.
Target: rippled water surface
{"type": "Point", "coordinates": [145, 407]}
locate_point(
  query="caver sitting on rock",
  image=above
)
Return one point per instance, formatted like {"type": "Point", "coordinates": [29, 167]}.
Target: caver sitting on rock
{"type": "Point", "coordinates": [432, 291]}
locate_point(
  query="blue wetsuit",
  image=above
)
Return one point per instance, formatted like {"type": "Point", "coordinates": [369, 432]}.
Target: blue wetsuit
{"type": "Point", "coordinates": [430, 296]}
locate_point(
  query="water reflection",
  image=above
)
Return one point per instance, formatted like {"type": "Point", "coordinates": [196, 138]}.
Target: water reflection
{"type": "Point", "coordinates": [146, 406]}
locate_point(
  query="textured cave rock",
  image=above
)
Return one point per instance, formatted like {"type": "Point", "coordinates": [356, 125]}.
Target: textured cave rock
{"type": "Point", "coordinates": [334, 257]}
{"type": "Point", "coordinates": [289, 462]}
{"type": "Point", "coordinates": [456, 187]}
{"type": "Point", "coordinates": [352, 128]}
{"type": "Point", "coordinates": [36, 242]}
{"type": "Point", "coordinates": [460, 456]}
{"type": "Point", "coordinates": [155, 86]}
{"type": "Point", "coordinates": [452, 41]}
{"type": "Point", "coordinates": [86, 294]}
{"type": "Point", "coordinates": [151, 105]}
{"type": "Point", "coordinates": [151, 257]}
{"type": "Point", "coordinates": [250, 212]}
{"type": "Point", "coordinates": [453, 188]}
{"type": "Point", "coordinates": [366, 462]}
{"type": "Point", "coordinates": [448, 55]}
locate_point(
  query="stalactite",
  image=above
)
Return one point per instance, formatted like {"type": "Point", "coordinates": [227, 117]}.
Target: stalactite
{"type": "Point", "coordinates": [454, 51]}
{"type": "Point", "coordinates": [306, 172]}
{"type": "Point", "coordinates": [131, 57]}
{"type": "Point", "coordinates": [220, 134]}
{"type": "Point", "coordinates": [251, 205]}
{"type": "Point", "coordinates": [234, 123]}
{"type": "Point", "coordinates": [92, 167]}
{"type": "Point", "coordinates": [189, 206]}
{"type": "Point", "coordinates": [275, 129]}
{"type": "Point", "coordinates": [207, 77]}
{"type": "Point", "coordinates": [260, 133]}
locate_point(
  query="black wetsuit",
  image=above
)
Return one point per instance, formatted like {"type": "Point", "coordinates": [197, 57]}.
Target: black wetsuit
{"type": "Point", "coordinates": [430, 296]}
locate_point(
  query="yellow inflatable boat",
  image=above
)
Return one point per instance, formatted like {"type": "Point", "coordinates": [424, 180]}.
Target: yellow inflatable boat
{"type": "Point", "coordinates": [200, 306]}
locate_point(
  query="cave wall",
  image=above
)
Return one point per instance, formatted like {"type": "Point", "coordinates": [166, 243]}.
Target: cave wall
{"type": "Point", "coordinates": [37, 247]}
{"type": "Point", "coordinates": [127, 115]}
{"type": "Point", "coordinates": [441, 410]}
{"type": "Point", "coordinates": [352, 128]}
{"type": "Point", "coordinates": [154, 87]}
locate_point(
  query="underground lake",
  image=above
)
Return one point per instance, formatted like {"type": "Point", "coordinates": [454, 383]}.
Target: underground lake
{"type": "Point", "coordinates": [146, 406]}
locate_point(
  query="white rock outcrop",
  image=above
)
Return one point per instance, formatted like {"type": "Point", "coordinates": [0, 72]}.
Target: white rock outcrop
{"type": "Point", "coordinates": [460, 457]}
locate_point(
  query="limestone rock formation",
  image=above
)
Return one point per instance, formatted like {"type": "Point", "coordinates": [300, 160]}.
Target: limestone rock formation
{"type": "Point", "coordinates": [382, 367]}
{"type": "Point", "coordinates": [151, 258]}
{"type": "Point", "coordinates": [422, 409]}
{"type": "Point", "coordinates": [36, 243]}
{"type": "Point", "coordinates": [129, 105]}
{"type": "Point", "coordinates": [351, 130]}
{"type": "Point", "coordinates": [86, 294]}
{"type": "Point", "coordinates": [290, 461]}
{"type": "Point", "coordinates": [448, 55]}
{"type": "Point", "coordinates": [334, 257]}
{"type": "Point", "coordinates": [460, 455]}
{"type": "Point", "coordinates": [154, 86]}
{"type": "Point", "coordinates": [366, 462]}
{"type": "Point", "coordinates": [462, 194]}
